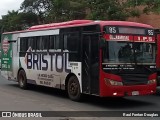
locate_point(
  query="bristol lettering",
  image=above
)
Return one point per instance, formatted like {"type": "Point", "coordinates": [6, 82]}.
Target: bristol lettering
{"type": "Point", "coordinates": [38, 61]}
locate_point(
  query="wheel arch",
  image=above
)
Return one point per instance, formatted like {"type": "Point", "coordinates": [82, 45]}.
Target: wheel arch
{"type": "Point", "coordinates": [18, 72]}
{"type": "Point", "coordinates": [67, 79]}
{"type": "Point", "coordinates": [22, 79]}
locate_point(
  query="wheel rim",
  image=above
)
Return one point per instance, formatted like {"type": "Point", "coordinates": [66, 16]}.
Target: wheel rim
{"type": "Point", "coordinates": [73, 88]}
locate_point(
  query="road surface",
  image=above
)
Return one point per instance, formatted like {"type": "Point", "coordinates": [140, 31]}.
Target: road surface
{"type": "Point", "coordinates": [37, 98]}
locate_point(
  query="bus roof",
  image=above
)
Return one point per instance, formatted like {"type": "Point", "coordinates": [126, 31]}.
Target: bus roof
{"type": "Point", "coordinates": [76, 23]}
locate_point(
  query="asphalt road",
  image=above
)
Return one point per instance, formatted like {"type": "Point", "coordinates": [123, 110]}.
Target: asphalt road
{"type": "Point", "coordinates": [37, 98]}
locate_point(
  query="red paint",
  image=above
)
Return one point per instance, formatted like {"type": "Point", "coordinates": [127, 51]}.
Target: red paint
{"type": "Point", "coordinates": [76, 23]}
{"type": "Point", "coordinates": [131, 38]}
{"type": "Point", "coordinates": [111, 37]}
{"type": "Point", "coordinates": [108, 90]}
{"type": "Point", "coordinates": [144, 39]}
{"type": "Point", "coordinates": [152, 76]}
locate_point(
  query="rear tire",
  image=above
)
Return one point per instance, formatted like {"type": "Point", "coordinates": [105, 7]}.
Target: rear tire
{"type": "Point", "coordinates": [73, 89]}
{"type": "Point", "coordinates": [22, 80]}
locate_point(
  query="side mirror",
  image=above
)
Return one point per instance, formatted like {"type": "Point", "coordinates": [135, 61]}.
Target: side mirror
{"type": "Point", "coordinates": [102, 43]}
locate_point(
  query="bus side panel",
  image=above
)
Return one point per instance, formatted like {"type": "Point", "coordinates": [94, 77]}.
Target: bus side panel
{"type": "Point", "coordinates": [48, 70]}
{"type": "Point", "coordinates": [6, 62]}
{"type": "Point", "coordinates": [32, 64]}
{"type": "Point", "coordinates": [76, 68]}
{"type": "Point", "coordinates": [15, 56]}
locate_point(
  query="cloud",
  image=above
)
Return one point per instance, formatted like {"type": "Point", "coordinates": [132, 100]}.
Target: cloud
{"type": "Point", "coordinates": [9, 5]}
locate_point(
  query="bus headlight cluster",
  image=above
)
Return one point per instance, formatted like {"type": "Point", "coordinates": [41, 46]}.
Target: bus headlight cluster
{"type": "Point", "coordinates": [113, 82]}
{"type": "Point", "coordinates": [152, 81]}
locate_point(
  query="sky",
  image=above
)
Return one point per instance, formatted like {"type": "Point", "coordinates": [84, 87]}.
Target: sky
{"type": "Point", "coordinates": [9, 5]}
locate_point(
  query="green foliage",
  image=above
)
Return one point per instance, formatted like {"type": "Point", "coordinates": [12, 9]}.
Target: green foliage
{"type": "Point", "coordinates": [14, 21]}
{"type": "Point", "coordinates": [152, 6]}
{"type": "Point", "coordinates": [34, 12]}
{"type": "Point", "coordinates": [149, 5]}
{"type": "Point", "coordinates": [63, 10]}
{"type": "Point", "coordinates": [11, 21]}
{"type": "Point", "coordinates": [106, 10]}
{"type": "Point", "coordinates": [39, 7]}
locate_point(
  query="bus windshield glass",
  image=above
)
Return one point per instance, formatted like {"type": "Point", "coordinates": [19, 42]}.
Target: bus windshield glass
{"type": "Point", "coordinates": [128, 52]}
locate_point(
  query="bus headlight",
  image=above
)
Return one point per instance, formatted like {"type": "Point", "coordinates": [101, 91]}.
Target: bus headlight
{"type": "Point", "coordinates": [152, 81]}
{"type": "Point", "coordinates": [113, 82]}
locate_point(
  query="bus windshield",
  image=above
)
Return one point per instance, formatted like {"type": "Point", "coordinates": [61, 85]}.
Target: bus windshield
{"type": "Point", "coordinates": [128, 52]}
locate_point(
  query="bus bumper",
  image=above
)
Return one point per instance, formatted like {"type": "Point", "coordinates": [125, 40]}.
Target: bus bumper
{"type": "Point", "coordinates": [120, 91]}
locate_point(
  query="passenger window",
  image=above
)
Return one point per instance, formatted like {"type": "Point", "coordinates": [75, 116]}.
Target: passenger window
{"type": "Point", "coordinates": [71, 42]}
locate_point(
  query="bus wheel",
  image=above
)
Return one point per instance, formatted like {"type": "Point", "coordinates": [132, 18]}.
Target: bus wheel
{"type": "Point", "coordinates": [22, 80]}
{"type": "Point", "coordinates": [73, 89]}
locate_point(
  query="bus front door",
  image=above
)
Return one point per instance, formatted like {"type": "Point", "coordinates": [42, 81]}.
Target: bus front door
{"type": "Point", "coordinates": [90, 64]}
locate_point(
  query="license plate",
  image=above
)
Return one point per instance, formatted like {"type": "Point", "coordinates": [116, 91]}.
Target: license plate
{"type": "Point", "coordinates": [135, 93]}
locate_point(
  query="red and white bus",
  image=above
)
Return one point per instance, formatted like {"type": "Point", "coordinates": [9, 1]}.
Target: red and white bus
{"type": "Point", "coordinates": [102, 58]}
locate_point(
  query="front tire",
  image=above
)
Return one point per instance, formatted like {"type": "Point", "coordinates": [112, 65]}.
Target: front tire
{"type": "Point", "coordinates": [73, 89]}
{"type": "Point", "coordinates": [22, 79]}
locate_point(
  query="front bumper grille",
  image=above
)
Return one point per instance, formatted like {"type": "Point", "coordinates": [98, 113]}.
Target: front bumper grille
{"type": "Point", "coordinates": [134, 79]}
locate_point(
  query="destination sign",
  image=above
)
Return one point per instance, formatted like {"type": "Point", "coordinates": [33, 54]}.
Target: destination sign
{"type": "Point", "coordinates": [128, 30]}
{"type": "Point", "coordinates": [135, 38]}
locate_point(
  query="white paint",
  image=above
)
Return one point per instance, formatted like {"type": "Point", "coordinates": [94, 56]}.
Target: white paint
{"type": "Point", "coordinates": [15, 56]}
{"type": "Point", "coordinates": [40, 33]}
{"type": "Point", "coordinates": [76, 69]}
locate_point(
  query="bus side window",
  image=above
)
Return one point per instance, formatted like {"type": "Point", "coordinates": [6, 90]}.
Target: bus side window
{"type": "Point", "coordinates": [23, 44]}
{"type": "Point", "coordinates": [31, 43]}
{"type": "Point", "coordinates": [45, 40]}
{"type": "Point", "coordinates": [51, 42]}
{"type": "Point", "coordinates": [65, 41]}
{"type": "Point", "coordinates": [70, 43]}
{"type": "Point", "coordinates": [38, 43]}
{"type": "Point", "coordinates": [41, 43]}
{"type": "Point", "coordinates": [57, 42]}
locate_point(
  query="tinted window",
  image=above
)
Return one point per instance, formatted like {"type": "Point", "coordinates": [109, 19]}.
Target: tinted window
{"type": "Point", "coordinates": [51, 42]}
{"type": "Point", "coordinates": [39, 43]}
{"type": "Point", "coordinates": [45, 40]}
{"type": "Point", "coordinates": [31, 43]}
{"type": "Point", "coordinates": [23, 44]}
{"type": "Point", "coordinates": [71, 41]}
{"type": "Point", "coordinates": [57, 42]}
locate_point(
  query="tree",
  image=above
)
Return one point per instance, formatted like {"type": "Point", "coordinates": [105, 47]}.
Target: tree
{"type": "Point", "coordinates": [34, 12]}
{"type": "Point", "coordinates": [148, 5]}
{"type": "Point", "coordinates": [106, 10]}
{"type": "Point", "coordinates": [14, 21]}
{"type": "Point", "coordinates": [38, 7]}
{"type": "Point", "coordinates": [151, 6]}
{"type": "Point", "coordinates": [28, 19]}
{"type": "Point", "coordinates": [63, 10]}
{"type": "Point", "coordinates": [11, 21]}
